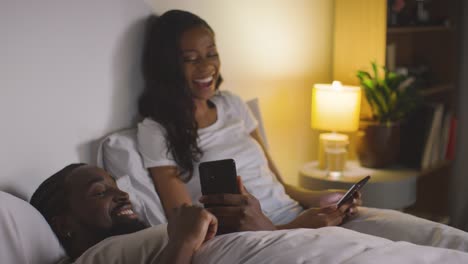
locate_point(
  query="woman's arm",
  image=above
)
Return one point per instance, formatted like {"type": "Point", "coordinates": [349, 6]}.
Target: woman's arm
{"type": "Point", "coordinates": [242, 212]}
{"type": "Point", "coordinates": [171, 190]}
{"type": "Point", "coordinates": [306, 198]}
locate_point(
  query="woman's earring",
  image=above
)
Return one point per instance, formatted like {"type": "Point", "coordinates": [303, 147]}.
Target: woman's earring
{"type": "Point", "coordinates": [68, 234]}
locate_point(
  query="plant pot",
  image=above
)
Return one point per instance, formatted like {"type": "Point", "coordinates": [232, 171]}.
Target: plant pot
{"type": "Point", "coordinates": [378, 145]}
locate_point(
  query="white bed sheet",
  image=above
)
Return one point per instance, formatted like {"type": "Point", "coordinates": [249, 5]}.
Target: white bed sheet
{"type": "Point", "coordinates": [324, 245]}
{"type": "Point", "coordinates": [299, 246]}
{"type": "Point", "coordinates": [398, 226]}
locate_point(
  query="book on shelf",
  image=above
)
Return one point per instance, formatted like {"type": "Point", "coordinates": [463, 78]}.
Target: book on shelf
{"type": "Point", "coordinates": [445, 133]}
{"type": "Point", "coordinates": [413, 133]}
{"type": "Point", "coordinates": [452, 138]}
{"type": "Point", "coordinates": [391, 56]}
{"type": "Point", "coordinates": [425, 137]}
{"type": "Point", "coordinates": [431, 148]}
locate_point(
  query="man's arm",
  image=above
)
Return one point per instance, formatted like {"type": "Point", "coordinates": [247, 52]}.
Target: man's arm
{"type": "Point", "coordinates": [177, 253]}
{"type": "Point", "coordinates": [188, 228]}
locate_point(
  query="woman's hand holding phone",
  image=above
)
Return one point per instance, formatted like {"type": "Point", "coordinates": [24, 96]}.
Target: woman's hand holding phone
{"type": "Point", "coordinates": [225, 197]}
{"type": "Point", "coordinates": [331, 197]}
{"type": "Point", "coordinates": [319, 217]}
{"type": "Point", "coordinates": [237, 212]}
{"type": "Point", "coordinates": [341, 198]}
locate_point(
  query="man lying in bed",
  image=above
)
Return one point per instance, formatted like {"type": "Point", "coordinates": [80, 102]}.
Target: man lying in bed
{"type": "Point", "coordinates": [95, 223]}
{"type": "Point", "coordinates": [88, 212]}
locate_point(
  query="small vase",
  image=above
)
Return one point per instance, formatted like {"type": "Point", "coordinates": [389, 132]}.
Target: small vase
{"type": "Point", "coordinates": [378, 145]}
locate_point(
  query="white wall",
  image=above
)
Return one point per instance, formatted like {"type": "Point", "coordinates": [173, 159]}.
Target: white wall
{"type": "Point", "coordinates": [275, 50]}
{"type": "Point", "coordinates": [69, 74]}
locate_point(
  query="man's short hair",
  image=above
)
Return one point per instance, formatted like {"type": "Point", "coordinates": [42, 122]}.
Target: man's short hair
{"type": "Point", "coordinates": [50, 198]}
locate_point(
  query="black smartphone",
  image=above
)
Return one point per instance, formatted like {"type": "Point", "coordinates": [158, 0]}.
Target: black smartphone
{"type": "Point", "coordinates": [218, 176]}
{"type": "Point", "coordinates": [350, 193]}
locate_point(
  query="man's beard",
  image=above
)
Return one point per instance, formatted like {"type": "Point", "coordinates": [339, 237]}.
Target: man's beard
{"type": "Point", "coordinates": [127, 227]}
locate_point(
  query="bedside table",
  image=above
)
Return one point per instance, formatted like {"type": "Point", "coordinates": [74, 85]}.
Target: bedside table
{"type": "Point", "coordinates": [389, 188]}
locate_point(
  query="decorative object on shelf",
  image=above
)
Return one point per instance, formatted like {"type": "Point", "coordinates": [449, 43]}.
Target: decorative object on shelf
{"type": "Point", "coordinates": [422, 14]}
{"type": "Point", "coordinates": [394, 8]}
{"type": "Point", "coordinates": [391, 99]}
{"type": "Point", "coordinates": [335, 108]}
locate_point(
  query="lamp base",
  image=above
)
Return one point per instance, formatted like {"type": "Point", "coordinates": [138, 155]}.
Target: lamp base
{"type": "Point", "coordinates": [333, 153]}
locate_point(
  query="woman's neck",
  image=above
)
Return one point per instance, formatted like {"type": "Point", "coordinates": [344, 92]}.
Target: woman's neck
{"type": "Point", "coordinates": [205, 113]}
{"type": "Point", "coordinates": [201, 106]}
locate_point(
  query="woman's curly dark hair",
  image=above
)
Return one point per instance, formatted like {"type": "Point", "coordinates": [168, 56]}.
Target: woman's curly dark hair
{"type": "Point", "coordinates": [166, 98]}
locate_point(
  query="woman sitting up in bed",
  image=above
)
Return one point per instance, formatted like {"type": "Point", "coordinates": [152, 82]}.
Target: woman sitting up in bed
{"type": "Point", "coordinates": [188, 120]}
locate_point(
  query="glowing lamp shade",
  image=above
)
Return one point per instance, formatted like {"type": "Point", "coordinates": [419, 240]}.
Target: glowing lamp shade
{"type": "Point", "coordinates": [335, 107]}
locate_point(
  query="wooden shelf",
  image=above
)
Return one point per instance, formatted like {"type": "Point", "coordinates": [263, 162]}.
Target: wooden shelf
{"type": "Point", "coordinates": [437, 89]}
{"type": "Point", "coordinates": [436, 46]}
{"type": "Point", "coordinates": [416, 29]}
{"type": "Point", "coordinates": [432, 196]}
{"type": "Point", "coordinates": [439, 166]}
{"type": "Point", "coordinates": [443, 219]}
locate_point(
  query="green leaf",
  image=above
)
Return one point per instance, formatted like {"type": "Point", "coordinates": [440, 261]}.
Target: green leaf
{"type": "Point", "coordinates": [387, 100]}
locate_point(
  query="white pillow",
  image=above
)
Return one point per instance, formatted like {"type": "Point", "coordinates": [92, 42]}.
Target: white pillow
{"type": "Point", "coordinates": [26, 236]}
{"type": "Point", "coordinates": [118, 155]}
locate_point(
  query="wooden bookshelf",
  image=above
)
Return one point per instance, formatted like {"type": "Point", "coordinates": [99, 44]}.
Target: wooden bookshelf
{"type": "Point", "coordinates": [436, 49]}
{"type": "Point", "coordinates": [432, 197]}
{"type": "Point", "coordinates": [437, 89]}
{"type": "Point", "coordinates": [429, 52]}
{"type": "Point", "coordinates": [443, 165]}
{"type": "Point", "coordinates": [417, 29]}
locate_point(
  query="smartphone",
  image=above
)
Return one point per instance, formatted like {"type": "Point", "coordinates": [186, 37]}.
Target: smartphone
{"type": "Point", "coordinates": [218, 176]}
{"type": "Point", "coordinates": [350, 193]}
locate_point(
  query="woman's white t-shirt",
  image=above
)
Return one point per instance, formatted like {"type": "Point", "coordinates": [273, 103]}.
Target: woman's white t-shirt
{"type": "Point", "coordinates": [227, 138]}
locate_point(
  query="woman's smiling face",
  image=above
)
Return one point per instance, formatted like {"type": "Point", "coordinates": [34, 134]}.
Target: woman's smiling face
{"type": "Point", "coordinates": [200, 62]}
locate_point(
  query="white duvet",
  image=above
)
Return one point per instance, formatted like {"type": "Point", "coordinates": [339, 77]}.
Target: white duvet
{"type": "Point", "coordinates": [324, 245]}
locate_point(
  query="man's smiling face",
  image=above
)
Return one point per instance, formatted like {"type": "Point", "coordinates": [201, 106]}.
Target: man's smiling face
{"type": "Point", "coordinates": [98, 205]}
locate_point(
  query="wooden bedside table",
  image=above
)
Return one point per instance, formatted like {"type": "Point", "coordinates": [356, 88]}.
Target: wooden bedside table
{"type": "Point", "coordinates": [390, 188]}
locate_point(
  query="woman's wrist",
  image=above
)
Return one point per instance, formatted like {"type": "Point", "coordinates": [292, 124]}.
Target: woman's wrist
{"type": "Point", "coordinates": [306, 198]}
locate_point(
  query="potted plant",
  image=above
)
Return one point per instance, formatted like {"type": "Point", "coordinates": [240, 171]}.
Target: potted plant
{"type": "Point", "coordinates": [391, 97]}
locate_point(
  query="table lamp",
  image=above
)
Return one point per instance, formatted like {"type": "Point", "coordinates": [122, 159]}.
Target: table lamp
{"type": "Point", "coordinates": [335, 108]}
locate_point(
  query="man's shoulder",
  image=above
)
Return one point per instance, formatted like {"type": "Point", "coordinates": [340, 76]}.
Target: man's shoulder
{"type": "Point", "coordinates": [141, 246]}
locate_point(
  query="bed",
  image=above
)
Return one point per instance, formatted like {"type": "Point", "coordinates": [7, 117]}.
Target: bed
{"type": "Point", "coordinates": [27, 238]}
{"type": "Point", "coordinates": [373, 237]}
